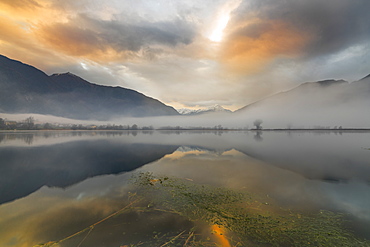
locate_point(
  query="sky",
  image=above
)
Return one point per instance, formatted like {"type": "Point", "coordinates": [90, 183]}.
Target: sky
{"type": "Point", "coordinates": [192, 54]}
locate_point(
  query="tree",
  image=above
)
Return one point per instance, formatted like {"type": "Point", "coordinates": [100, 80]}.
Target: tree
{"type": "Point", "coordinates": [47, 126]}
{"type": "Point", "coordinates": [258, 123]}
{"type": "Point", "coordinates": [134, 127]}
{"type": "Point", "coordinates": [29, 123]}
{"type": "Point", "coordinates": [2, 124]}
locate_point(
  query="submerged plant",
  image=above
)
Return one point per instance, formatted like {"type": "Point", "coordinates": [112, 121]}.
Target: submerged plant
{"type": "Point", "coordinates": [238, 215]}
{"type": "Point", "coordinates": [210, 216]}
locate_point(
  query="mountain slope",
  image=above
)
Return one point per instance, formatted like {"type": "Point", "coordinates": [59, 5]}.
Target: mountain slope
{"type": "Point", "coordinates": [25, 89]}
{"type": "Point", "coordinates": [326, 103]}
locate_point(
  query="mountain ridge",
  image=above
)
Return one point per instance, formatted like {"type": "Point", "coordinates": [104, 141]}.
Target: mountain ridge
{"type": "Point", "coordinates": [302, 86]}
{"type": "Point", "coordinates": [26, 89]}
{"type": "Point", "coordinates": [314, 105]}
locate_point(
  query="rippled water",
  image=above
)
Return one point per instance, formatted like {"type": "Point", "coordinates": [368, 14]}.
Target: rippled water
{"type": "Point", "coordinates": [55, 184]}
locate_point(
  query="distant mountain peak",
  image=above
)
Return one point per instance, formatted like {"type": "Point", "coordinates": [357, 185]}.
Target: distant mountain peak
{"type": "Point", "coordinates": [216, 108]}
{"type": "Point", "coordinates": [210, 109]}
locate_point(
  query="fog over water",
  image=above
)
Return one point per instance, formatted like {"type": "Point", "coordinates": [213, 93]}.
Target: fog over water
{"type": "Point", "coordinates": [324, 104]}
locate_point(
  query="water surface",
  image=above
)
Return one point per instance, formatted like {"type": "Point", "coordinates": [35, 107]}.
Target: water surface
{"type": "Point", "coordinates": [55, 184]}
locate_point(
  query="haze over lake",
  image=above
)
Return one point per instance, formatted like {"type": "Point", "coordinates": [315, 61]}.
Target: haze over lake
{"type": "Point", "coordinates": [54, 184]}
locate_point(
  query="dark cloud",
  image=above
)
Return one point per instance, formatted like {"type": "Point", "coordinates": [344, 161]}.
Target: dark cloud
{"type": "Point", "coordinates": [333, 25]}
{"type": "Point", "coordinates": [85, 35]}
{"type": "Point", "coordinates": [133, 37]}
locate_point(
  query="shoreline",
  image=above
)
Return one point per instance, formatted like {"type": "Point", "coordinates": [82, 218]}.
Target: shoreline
{"type": "Point", "coordinates": [189, 130]}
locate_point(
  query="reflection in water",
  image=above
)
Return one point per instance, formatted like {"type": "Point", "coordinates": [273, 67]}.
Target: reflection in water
{"type": "Point", "coordinates": [24, 137]}
{"type": "Point", "coordinates": [41, 219]}
{"type": "Point", "coordinates": [258, 136]}
{"type": "Point", "coordinates": [28, 137]}
{"type": "Point", "coordinates": [297, 170]}
{"type": "Point", "coordinates": [26, 169]}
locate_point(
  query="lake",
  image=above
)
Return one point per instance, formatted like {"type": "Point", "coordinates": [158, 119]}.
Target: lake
{"type": "Point", "coordinates": [185, 188]}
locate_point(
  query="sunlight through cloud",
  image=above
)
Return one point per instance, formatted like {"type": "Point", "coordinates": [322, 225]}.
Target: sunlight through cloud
{"type": "Point", "coordinates": [223, 19]}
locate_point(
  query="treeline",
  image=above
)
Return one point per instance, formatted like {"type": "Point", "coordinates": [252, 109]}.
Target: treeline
{"type": "Point", "coordinates": [30, 124]}
{"type": "Point", "coordinates": [217, 127]}
{"type": "Point", "coordinates": [109, 127]}
{"type": "Point", "coordinates": [27, 124]}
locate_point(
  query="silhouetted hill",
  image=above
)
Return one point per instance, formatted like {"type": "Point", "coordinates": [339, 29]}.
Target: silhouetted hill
{"type": "Point", "coordinates": [25, 89]}
{"type": "Point", "coordinates": [326, 103]}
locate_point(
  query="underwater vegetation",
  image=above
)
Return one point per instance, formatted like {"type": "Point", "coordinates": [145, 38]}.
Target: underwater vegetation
{"type": "Point", "coordinates": [213, 216]}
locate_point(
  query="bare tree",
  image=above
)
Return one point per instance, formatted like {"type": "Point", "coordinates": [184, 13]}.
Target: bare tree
{"type": "Point", "coordinates": [258, 123]}
{"type": "Point", "coordinates": [29, 123]}
{"type": "Point", "coordinates": [2, 124]}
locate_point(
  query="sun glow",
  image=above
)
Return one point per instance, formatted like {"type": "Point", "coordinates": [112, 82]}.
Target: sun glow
{"type": "Point", "coordinates": [217, 34]}
{"type": "Point", "coordinates": [223, 18]}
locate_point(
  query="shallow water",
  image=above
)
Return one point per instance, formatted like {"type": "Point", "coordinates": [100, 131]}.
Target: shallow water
{"type": "Point", "coordinates": [55, 184]}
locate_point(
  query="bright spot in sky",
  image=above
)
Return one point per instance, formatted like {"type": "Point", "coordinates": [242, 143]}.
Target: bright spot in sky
{"type": "Point", "coordinates": [217, 34]}
{"type": "Point", "coordinates": [223, 19]}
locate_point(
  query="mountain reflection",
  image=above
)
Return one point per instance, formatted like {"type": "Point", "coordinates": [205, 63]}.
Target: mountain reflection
{"type": "Point", "coordinates": [24, 170]}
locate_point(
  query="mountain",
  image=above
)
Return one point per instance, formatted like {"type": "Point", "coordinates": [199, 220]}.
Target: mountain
{"type": "Point", "coordinates": [25, 89]}
{"type": "Point", "coordinates": [322, 104]}
{"type": "Point", "coordinates": [212, 109]}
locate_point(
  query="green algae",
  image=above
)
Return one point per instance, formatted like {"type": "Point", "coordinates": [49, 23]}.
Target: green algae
{"type": "Point", "coordinates": [249, 221]}
{"type": "Point", "coordinates": [208, 214]}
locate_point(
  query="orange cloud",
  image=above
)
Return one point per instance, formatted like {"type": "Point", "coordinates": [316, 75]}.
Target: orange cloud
{"type": "Point", "coordinates": [78, 42]}
{"type": "Point", "coordinates": [18, 7]}
{"type": "Point", "coordinates": [252, 45]}
{"type": "Point", "coordinates": [69, 39]}
{"type": "Point", "coordinates": [35, 30]}
{"type": "Point", "coordinates": [20, 3]}
{"type": "Point", "coordinates": [30, 12]}
{"type": "Point", "coordinates": [19, 42]}
{"type": "Point", "coordinates": [20, 22]}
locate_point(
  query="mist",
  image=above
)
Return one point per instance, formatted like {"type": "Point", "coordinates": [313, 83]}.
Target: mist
{"type": "Point", "coordinates": [312, 105]}
{"type": "Point", "coordinates": [324, 104]}
{"type": "Point", "coordinates": [329, 104]}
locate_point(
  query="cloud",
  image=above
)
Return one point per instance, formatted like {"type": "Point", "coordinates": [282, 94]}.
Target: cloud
{"type": "Point", "coordinates": [333, 25]}
{"type": "Point", "coordinates": [280, 42]}
{"type": "Point", "coordinates": [86, 36]}
{"type": "Point", "coordinates": [21, 4]}
{"type": "Point", "coordinates": [15, 44]}
{"type": "Point", "coordinates": [253, 44]}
